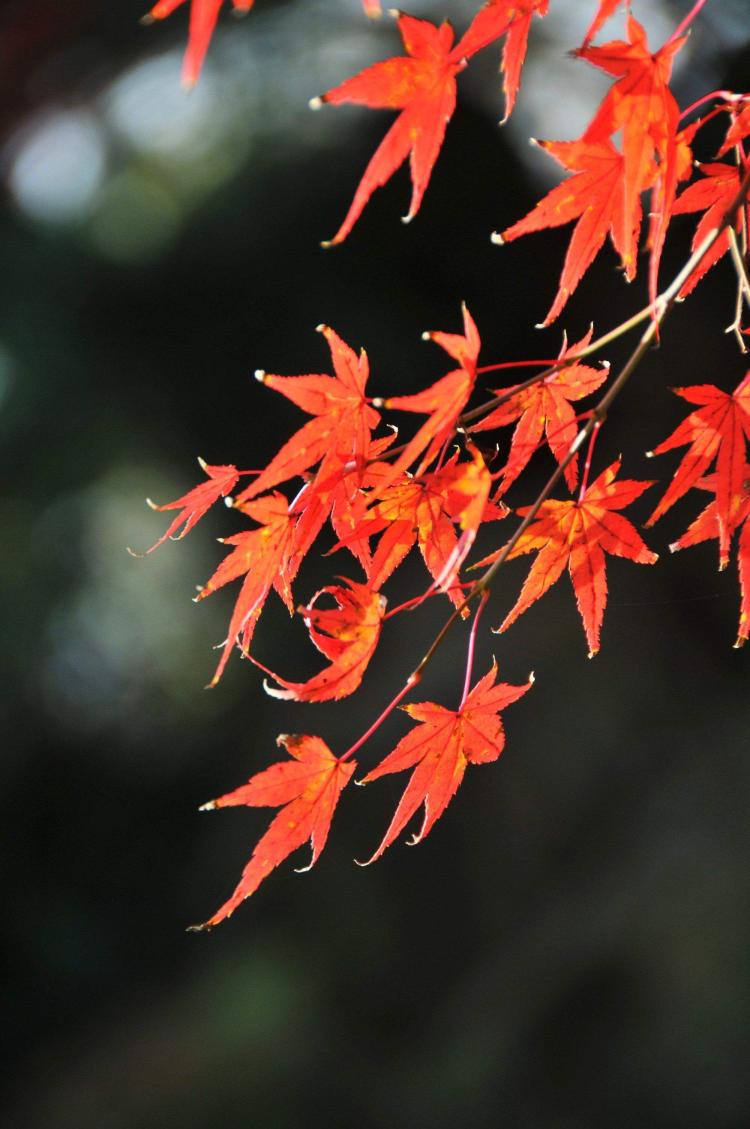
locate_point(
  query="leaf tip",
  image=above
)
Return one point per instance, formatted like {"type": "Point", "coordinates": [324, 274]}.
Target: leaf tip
{"type": "Point", "coordinates": [497, 239]}
{"type": "Point", "coordinates": [132, 552]}
{"type": "Point", "coordinates": [315, 103]}
{"type": "Point", "coordinates": [260, 375]}
{"type": "Point", "coordinates": [210, 806]}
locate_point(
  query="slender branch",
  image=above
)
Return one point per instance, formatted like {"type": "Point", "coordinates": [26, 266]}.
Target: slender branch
{"type": "Point", "coordinates": [683, 25]}
{"type": "Point", "coordinates": [472, 645]}
{"type": "Point", "coordinates": [589, 456]}
{"type": "Point", "coordinates": [739, 265]}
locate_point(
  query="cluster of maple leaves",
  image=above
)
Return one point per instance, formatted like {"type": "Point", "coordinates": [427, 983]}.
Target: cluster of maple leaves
{"type": "Point", "coordinates": [382, 498]}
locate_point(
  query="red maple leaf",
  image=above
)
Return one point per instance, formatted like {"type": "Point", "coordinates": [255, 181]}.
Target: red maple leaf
{"type": "Point", "coordinates": [197, 501]}
{"type": "Point", "coordinates": [545, 408]}
{"type": "Point", "coordinates": [267, 557]}
{"type": "Point", "coordinates": [422, 85]}
{"type": "Point", "coordinates": [594, 197]}
{"type": "Point", "coordinates": [308, 787]}
{"type": "Point", "coordinates": [347, 635]}
{"type": "Point", "coordinates": [443, 402]}
{"type": "Point", "coordinates": [707, 526]}
{"type": "Point", "coordinates": [641, 105]}
{"type": "Point", "coordinates": [203, 17]}
{"type": "Point", "coordinates": [713, 195]}
{"type": "Point", "coordinates": [424, 511]}
{"type": "Point", "coordinates": [717, 430]}
{"type": "Point", "coordinates": [440, 748]}
{"type": "Point", "coordinates": [338, 434]}
{"type": "Point", "coordinates": [504, 17]}
{"type": "Point", "coordinates": [578, 534]}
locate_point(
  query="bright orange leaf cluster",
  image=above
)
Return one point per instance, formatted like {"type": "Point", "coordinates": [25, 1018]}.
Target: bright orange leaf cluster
{"type": "Point", "coordinates": [346, 481]}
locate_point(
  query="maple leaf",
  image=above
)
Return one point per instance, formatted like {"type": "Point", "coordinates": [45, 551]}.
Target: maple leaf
{"type": "Point", "coordinates": [578, 534]}
{"type": "Point", "coordinates": [713, 195]}
{"type": "Point", "coordinates": [422, 85]}
{"type": "Point", "coordinates": [267, 557]}
{"type": "Point", "coordinates": [340, 430]}
{"type": "Point", "coordinates": [641, 104]}
{"type": "Point", "coordinates": [707, 526]}
{"type": "Point", "coordinates": [197, 501]}
{"type": "Point", "coordinates": [504, 17]}
{"type": "Point", "coordinates": [203, 17]}
{"type": "Point", "coordinates": [594, 197]}
{"type": "Point", "coordinates": [424, 512]}
{"type": "Point", "coordinates": [443, 401]}
{"type": "Point", "coordinates": [441, 747]}
{"type": "Point", "coordinates": [717, 430]}
{"type": "Point", "coordinates": [307, 789]}
{"type": "Point", "coordinates": [347, 635]}
{"type": "Point", "coordinates": [545, 408]}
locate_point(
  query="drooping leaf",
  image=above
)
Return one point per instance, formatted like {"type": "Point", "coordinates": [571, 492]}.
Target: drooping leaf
{"type": "Point", "coordinates": [308, 787]}
{"type": "Point", "coordinates": [578, 534]}
{"type": "Point", "coordinates": [545, 408]}
{"type": "Point", "coordinates": [716, 430]}
{"type": "Point", "coordinates": [439, 749]}
{"type": "Point", "coordinates": [197, 502]}
{"type": "Point", "coordinates": [347, 635]}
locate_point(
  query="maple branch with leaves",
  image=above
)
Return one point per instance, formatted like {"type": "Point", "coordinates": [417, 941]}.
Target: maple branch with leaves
{"type": "Point", "coordinates": [433, 491]}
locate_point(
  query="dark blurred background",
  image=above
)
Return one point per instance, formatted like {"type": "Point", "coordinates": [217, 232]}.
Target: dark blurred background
{"type": "Point", "coordinates": [569, 948]}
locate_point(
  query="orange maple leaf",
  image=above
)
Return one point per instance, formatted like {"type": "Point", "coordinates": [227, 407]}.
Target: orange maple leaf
{"type": "Point", "coordinates": [347, 635]}
{"type": "Point", "coordinates": [338, 434]}
{"type": "Point", "coordinates": [267, 557]}
{"type": "Point", "coordinates": [717, 430]}
{"type": "Point", "coordinates": [422, 85]}
{"type": "Point", "coordinates": [308, 787]}
{"type": "Point", "coordinates": [594, 197]}
{"type": "Point", "coordinates": [641, 104]}
{"type": "Point", "coordinates": [713, 195]}
{"type": "Point", "coordinates": [197, 501]}
{"type": "Point", "coordinates": [443, 402]}
{"type": "Point", "coordinates": [441, 747]}
{"type": "Point", "coordinates": [578, 534]}
{"type": "Point", "coordinates": [504, 17]}
{"type": "Point", "coordinates": [203, 17]}
{"type": "Point", "coordinates": [424, 511]}
{"type": "Point", "coordinates": [545, 408]}
{"type": "Point", "coordinates": [707, 526]}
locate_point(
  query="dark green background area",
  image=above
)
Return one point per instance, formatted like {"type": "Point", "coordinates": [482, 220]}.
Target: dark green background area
{"type": "Point", "coordinates": [569, 947]}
